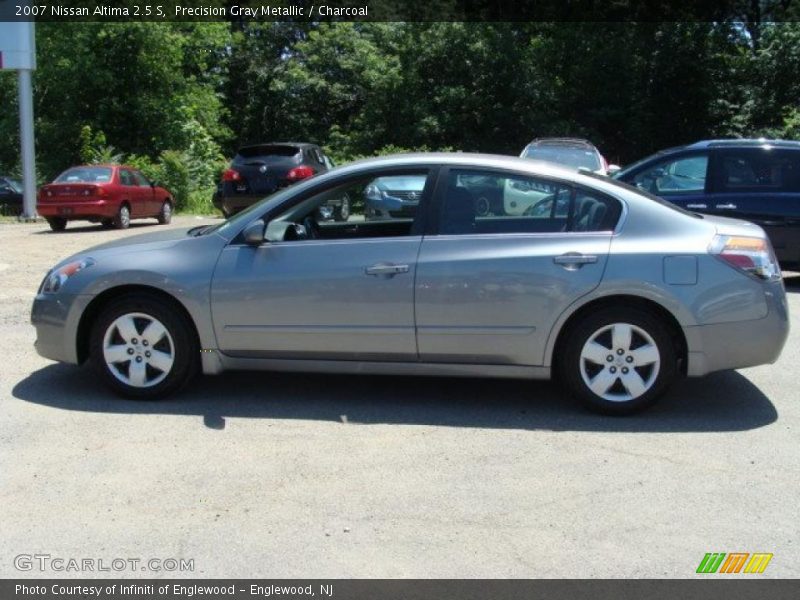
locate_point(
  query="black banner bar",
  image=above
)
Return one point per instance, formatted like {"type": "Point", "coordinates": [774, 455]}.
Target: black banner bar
{"type": "Point", "coordinates": [738, 588]}
{"type": "Point", "coordinates": [394, 10]}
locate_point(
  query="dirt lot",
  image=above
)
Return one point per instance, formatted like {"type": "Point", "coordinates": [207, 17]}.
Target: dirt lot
{"type": "Point", "coordinates": [330, 476]}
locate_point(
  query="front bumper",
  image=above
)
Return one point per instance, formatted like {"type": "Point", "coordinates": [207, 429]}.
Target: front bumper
{"type": "Point", "coordinates": [740, 344]}
{"type": "Point", "coordinates": [56, 318]}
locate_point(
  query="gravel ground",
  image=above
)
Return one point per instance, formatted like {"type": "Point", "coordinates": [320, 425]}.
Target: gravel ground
{"type": "Point", "coordinates": [270, 475]}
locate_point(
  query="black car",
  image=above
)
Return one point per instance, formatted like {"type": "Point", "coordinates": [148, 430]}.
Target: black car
{"type": "Point", "coordinates": [258, 170]}
{"type": "Point", "coordinates": [10, 196]}
{"type": "Point", "coordinates": [756, 180]}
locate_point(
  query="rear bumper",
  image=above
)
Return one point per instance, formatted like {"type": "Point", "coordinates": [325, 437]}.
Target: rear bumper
{"type": "Point", "coordinates": [77, 210]}
{"type": "Point", "coordinates": [233, 204]}
{"type": "Point", "coordinates": [740, 344]}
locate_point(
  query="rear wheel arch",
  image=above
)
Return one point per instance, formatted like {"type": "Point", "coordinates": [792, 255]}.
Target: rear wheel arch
{"type": "Point", "coordinates": [625, 301]}
{"type": "Point", "coordinates": [102, 300]}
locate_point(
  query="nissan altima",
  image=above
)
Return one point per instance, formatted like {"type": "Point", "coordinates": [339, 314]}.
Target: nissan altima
{"type": "Point", "coordinates": [612, 290]}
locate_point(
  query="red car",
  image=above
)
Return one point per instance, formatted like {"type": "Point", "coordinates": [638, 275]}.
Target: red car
{"type": "Point", "coordinates": [108, 194]}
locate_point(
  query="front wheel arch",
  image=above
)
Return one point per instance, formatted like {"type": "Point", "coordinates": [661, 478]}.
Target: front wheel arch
{"type": "Point", "coordinates": [96, 306]}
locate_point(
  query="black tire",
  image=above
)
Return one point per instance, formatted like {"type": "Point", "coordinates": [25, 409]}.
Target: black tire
{"type": "Point", "coordinates": [483, 207]}
{"type": "Point", "coordinates": [571, 367]}
{"type": "Point", "coordinates": [57, 223]}
{"type": "Point", "coordinates": [165, 214]}
{"type": "Point", "coordinates": [181, 343]}
{"type": "Point", "coordinates": [123, 218]}
{"type": "Point", "coordinates": [342, 212]}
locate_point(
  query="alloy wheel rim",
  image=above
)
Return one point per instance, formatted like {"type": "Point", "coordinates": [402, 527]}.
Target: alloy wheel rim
{"type": "Point", "coordinates": [124, 215]}
{"type": "Point", "coordinates": [483, 207]}
{"type": "Point", "coordinates": [166, 210]}
{"type": "Point", "coordinates": [620, 362]}
{"type": "Point", "coordinates": [138, 350]}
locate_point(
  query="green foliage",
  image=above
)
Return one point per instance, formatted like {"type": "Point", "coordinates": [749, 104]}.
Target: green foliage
{"type": "Point", "coordinates": [176, 99]}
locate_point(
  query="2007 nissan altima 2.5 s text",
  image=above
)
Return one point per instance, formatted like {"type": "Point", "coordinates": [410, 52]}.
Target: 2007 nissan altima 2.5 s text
{"type": "Point", "coordinates": [610, 289]}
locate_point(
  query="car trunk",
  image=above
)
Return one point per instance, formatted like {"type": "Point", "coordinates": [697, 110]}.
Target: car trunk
{"type": "Point", "coordinates": [69, 192]}
{"type": "Point", "coordinates": [263, 168]}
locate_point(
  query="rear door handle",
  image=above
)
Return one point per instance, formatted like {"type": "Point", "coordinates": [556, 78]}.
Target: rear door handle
{"type": "Point", "coordinates": [697, 206]}
{"type": "Point", "coordinates": [726, 206]}
{"type": "Point", "coordinates": [574, 259]}
{"type": "Point", "coordinates": [386, 269]}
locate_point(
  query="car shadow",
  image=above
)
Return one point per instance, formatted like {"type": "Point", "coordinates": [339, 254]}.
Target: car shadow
{"type": "Point", "coordinates": [94, 228]}
{"type": "Point", "coordinates": [792, 282]}
{"type": "Point", "coordinates": [724, 401]}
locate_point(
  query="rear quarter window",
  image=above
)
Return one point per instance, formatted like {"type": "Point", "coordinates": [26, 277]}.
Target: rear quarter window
{"type": "Point", "coordinates": [759, 171]}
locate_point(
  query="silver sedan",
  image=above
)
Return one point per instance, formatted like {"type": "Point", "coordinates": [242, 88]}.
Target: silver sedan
{"type": "Point", "coordinates": [612, 290]}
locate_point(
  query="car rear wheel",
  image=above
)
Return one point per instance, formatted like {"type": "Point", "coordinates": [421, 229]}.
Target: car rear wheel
{"type": "Point", "coordinates": [123, 218]}
{"type": "Point", "coordinates": [618, 361]}
{"type": "Point", "coordinates": [143, 348]}
{"type": "Point", "coordinates": [57, 223]}
{"type": "Point", "coordinates": [165, 215]}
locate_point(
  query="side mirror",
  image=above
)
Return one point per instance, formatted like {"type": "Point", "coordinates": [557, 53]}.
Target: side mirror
{"type": "Point", "coordinates": [254, 233]}
{"type": "Point", "coordinates": [154, 184]}
{"type": "Point", "coordinates": [6, 190]}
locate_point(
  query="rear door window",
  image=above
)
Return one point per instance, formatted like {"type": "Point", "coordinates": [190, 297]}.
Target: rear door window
{"type": "Point", "coordinates": [126, 177]}
{"type": "Point", "coordinates": [758, 170]}
{"type": "Point", "coordinates": [526, 205]}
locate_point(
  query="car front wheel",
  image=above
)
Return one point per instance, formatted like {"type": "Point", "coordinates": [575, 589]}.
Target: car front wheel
{"type": "Point", "coordinates": [143, 348]}
{"type": "Point", "coordinates": [618, 361]}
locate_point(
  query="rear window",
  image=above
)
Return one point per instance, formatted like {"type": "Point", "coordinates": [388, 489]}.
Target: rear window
{"type": "Point", "coordinates": [268, 150]}
{"type": "Point", "coordinates": [564, 155]}
{"type": "Point", "coordinates": [85, 175]}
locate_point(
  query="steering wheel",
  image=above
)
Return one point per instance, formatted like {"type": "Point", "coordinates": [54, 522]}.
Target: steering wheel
{"type": "Point", "coordinates": [542, 207]}
{"type": "Point", "coordinates": [312, 228]}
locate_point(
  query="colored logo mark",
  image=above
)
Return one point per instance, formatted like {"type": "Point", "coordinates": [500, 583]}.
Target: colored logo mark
{"type": "Point", "coordinates": [734, 562]}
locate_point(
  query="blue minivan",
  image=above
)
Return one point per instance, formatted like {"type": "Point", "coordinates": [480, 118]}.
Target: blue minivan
{"type": "Point", "coordinates": [755, 180]}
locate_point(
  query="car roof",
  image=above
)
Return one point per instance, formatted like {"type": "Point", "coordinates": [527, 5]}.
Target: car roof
{"type": "Point", "coordinates": [303, 145]}
{"type": "Point", "coordinates": [562, 141]}
{"type": "Point", "coordinates": [734, 142]}
{"type": "Point", "coordinates": [467, 160]}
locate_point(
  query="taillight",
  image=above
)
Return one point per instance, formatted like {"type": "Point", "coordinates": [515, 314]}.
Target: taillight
{"type": "Point", "coordinates": [299, 173]}
{"type": "Point", "coordinates": [231, 175]}
{"type": "Point", "coordinates": [752, 255]}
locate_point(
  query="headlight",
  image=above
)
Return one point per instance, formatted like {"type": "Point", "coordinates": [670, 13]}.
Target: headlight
{"type": "Point", "coordinates": [53, 282]}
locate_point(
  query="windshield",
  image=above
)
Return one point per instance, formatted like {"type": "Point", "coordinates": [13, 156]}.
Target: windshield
{"type": "Point", "coordinates": [243, 216]}
{"type": "Point", "coordinates": [14, 185]}
{"type": "Point", "coordinates": [85, 175]}
{"type": "Point", "coordinates": [563, 155]}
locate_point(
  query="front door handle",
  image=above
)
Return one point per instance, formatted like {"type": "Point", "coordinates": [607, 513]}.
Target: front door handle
{"type": "Point", "coordinates": [697, 206]}
{"type": "Point", "coordinates": [386, 269]}
{"type": "Point", "coordinates": [726, 206]}
{"type": "Point", "coordinates": [574, 260]}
